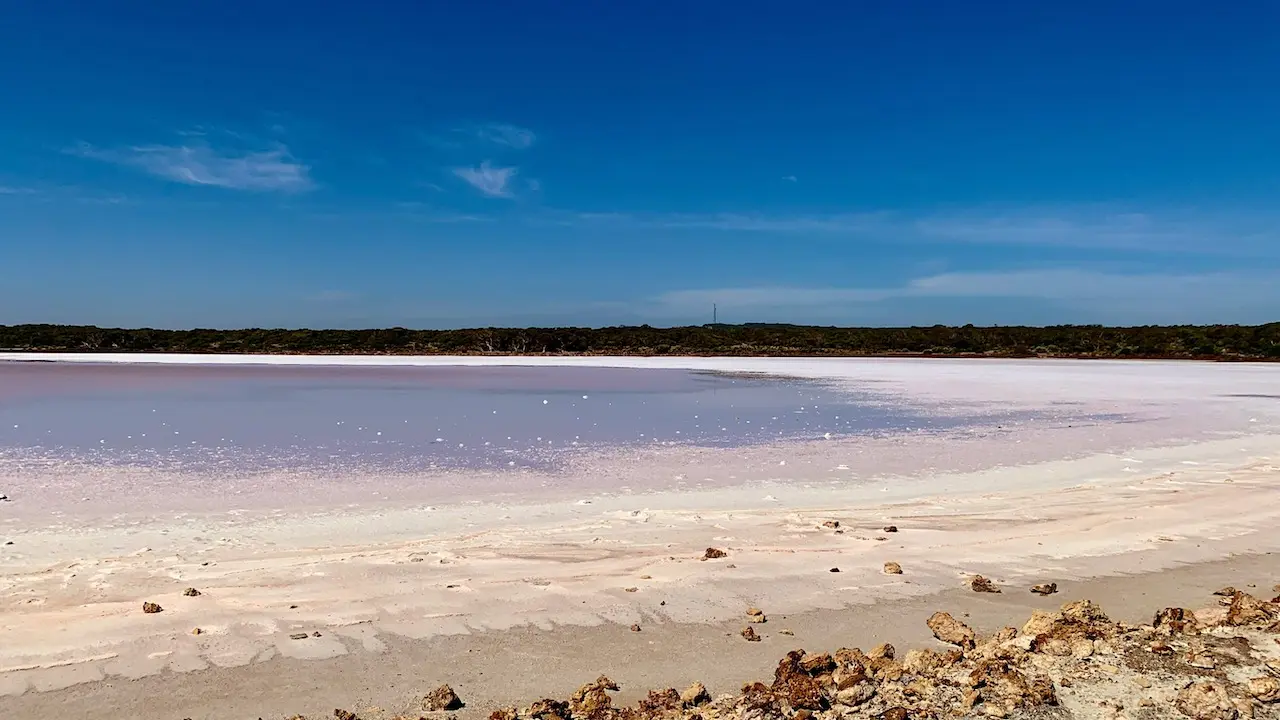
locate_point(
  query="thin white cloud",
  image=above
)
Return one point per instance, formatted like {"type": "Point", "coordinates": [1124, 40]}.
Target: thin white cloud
{"type": "Point", "coordinates": [789, 178]}
{"type": "Point", "coordinates": [9, 190]}
{"type": "Point", "coordinates": [1157, 297]}
{"type": "Point", "coordinates": [490, 181]}
{"type": "Point", "coordinates": [1079, 227]}
{"type": "Point", "coordinates": [512, 136]}
{"type": "Point", "coordinates": [273, 170]}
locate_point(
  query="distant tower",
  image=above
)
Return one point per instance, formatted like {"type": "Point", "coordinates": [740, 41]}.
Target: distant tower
{"type": "Point", "coordinates": [715, 317]}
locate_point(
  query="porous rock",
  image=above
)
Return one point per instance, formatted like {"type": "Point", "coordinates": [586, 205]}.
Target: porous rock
{"type": "Point", "coordinates": [1176, 621]}
{"type": "Point", "coordinates": [983, 585]}
{"type": "Point", "coordinates": [749, 634]}
{"type": "Point", "coordinates": [694, 695]}
{"type": "Point", "coordinates": [795, 687]}
{"type": "Point", "coordinates": [1045, 588]}
{"type": "Point", "coordinates": [1206, 701]}
{"type": "Point", "coordinates": [1246, 609]}
{"type": "Point", "coordinates": [950, 630]}
{"type": "Point", "coordinates": [892, 568]}
{"type": "Point", "coordinates": [441, 699]}
{"type": "Point", "coordinates": [151, 608]}
{"type": "Point", "coordinates": [714, 554]}
{"type": "Point", "coordinates": [1265, 689]}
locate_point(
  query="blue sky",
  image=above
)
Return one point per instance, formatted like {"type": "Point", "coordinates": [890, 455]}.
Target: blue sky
{"type": "Point", "coordinates": [236, 164]}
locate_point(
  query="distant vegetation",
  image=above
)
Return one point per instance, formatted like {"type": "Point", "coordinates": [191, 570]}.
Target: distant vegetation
{"type": "Point", "coordinates": [1220, 342]}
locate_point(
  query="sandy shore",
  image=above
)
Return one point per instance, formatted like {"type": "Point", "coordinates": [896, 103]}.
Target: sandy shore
{"type": "Point", "coordinates": [1146, 507]}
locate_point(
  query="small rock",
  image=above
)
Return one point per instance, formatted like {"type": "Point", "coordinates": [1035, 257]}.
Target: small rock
{"type": "Point", "coordinates": [983, 585]}
{"type": "Point", "coordinates": [1175, 621]}
{"type": "Point", "coordinates": [950, 630]}
{"type": "Point", "coordinates": [4, 498]}
{"type": "Point", "coordinates": [151, 608]}
{"type": "Point", "coordinates": [1265, 689]}
{"type": "Point", "coordinates": [299, 636]}
{"type": "Point", "coordinates": [635, 628]}
{"type": "Point", "coordinates": [1199, 658]}
{"type": "Point", "coordinates": [835, 569]}
{"type": "Point", "coordinates": [197, 631]}
{"type": "Point", "coordinates": [1142, 682]}
{"type": "Point", "coordinates": [315, 634]}
{"type": "Point", "coordinates": [891, 528]}
{"type": "Point", "coordinates": [892, 568]}
{"type": "Point", "coordinates": [340, 714]}
{"type": "Point", "coordinates": [786, 632]}
{"type": "Point", "coordinates": [441, 699]}
{"type": "Point", "coordinates": [1246, 609]}
{"type": "Point", "coordinates": [1045, 588]}
{"type": "Point", "coordinates": [756, 615]}
{"type": "Point", "coordinates": [831, 524]}
{"type": "Point", "coordinates": [191, 592]}
{"type": "Point", "coordinates": [646, 577]}
{"type": "Point", "coordinates": [1160, 648]}
{"type": "Point", "coordinates": [633, 589]}
{"type": "Point", "coordinates": [714, 554]}
{"type": "Point", "coordinates": [883, 651]}
{"type": "Point", "coordinates": [694, 695]}
{"type": "Point", "coordinates": [895, 713]}
{"type": "Point", "coordinates": [1206, 701]}
{"type": "Point", "coordinates": [1227, 591]}
{"type": "Point", "coordinates": [749, 634]}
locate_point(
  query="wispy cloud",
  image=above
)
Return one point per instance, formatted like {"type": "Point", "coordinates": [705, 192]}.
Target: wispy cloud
{"type": "Point", "coordinates": [9, 190]}
{"type": "Point", "coordinates": [1079, 227]}
{"type": "Point", "coordinates": [512, 136]}
{"type": "Point", "coordinates": [1155, 297]}
{"type": "Point", "coordinates": [198, 163]}
{"type": "Point", "coordinates": [490, 181]}
{"type": "Point", "coordinates": [789, 178]}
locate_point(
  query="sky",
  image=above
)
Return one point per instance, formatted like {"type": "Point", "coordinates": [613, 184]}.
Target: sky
{"type": "Point", "coordinates": [451, 164]}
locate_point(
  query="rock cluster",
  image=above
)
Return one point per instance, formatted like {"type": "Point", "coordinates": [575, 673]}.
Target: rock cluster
{"type": "Point", "coordinates": [1071, 658]}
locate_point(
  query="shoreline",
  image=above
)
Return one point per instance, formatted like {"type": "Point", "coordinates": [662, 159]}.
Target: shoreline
{"type": "Point", "coordinates": [498, 668]}
{"type": "Point", "coordinates": [1184, 470]}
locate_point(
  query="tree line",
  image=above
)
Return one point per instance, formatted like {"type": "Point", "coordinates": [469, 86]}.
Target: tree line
{"type": "Point", "coordinates": [1221, 342]}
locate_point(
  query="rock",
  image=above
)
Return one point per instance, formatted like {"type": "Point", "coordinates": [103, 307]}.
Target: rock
{"type": "Point", "coordinates": [1200, 658]}
{"type": "Point", "coordinates": [1176, 621]}
{"type": "Point", "coordinates": [855, 695]}
{"type": "Point", "coordinates": [749, 634]}
{"type": "Point", "coordinates": [831, 524]}
{"type": "Point", "coordinates": [895, 713]}
{"type": "Point", "coordinates": [892, 568]}
{"type": "Point", "coordinates": [299, 636]}
{"type": "Point", "coordinates": [191, 592]}
{"type": "Point", "coordinates": [1160, 648]}
{"type": "Point", "coordinates": [1265, 689]}
{"type": "Point", "coordinates": [1000, 684]}
{"type": "Point", "coordinates": [835, 570]}
{"type": "Point", "coordinates": [1226, 592]}
{"type": "Point", "coordinates": [661, 702]}
{"type": "Point", "coordinates": [1040, 622]}
{"type": "Point", "coordinates": [197, 631]}
{"type": "Point", "coordinates": [883, 651]}
{"type": "Point", "coordinates": [151, 608]}
{"type": "Point", "coordinates": [795, 687]}
{"type": "Point", "coordinates": [592, 700]}
{"type": "Point", "coordinates": [1045, 588]}
{"type": "Point", "coordinates": [817, 664]}
{"type": "Point", "coordinates": [631, 589]}
{"type": "Point", "coordinates": [4, 498]}
{"type": "Point", "coordinates": [441, 699]}
{"type": "Point", "coordinates": [983, 585]}
{"type": "Point", "coordinates": [694, 695]}
{"type": "Point", "coordinates": [754, 611]}
{"type": "Point", "coordinates": [891, 528]}
{"type": "Point", "coordinates": [1246, 609]}
{"type": "Point", "coordinates": [341, 714]}
{"type": "Point", "coordinates": [756, 615]}
{"type": "Point", "coordinates": [714, 554]}
{"type": "Point", "coordinates": [1206, 701]}
{"type": "Point", "coordinates": [635, 628]}
{"type": "Point", "coordinates": [949, 630]}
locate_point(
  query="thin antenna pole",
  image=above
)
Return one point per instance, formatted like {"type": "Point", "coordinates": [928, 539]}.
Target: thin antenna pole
{"type": "Point", "coordinates": [715, 316]}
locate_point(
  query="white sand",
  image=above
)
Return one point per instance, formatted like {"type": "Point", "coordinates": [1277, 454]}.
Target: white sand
{"type": "Point", "coordinates": [1195, 480]}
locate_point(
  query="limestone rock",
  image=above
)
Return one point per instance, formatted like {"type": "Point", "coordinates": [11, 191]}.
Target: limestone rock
{"type": "Point", "coordinates": [756, 615]}
{"type": "Point", "coordinates": [298, 636]}
{"type": "Point", "coordinates": [1206, 701]}
{"type": "Point", "coordinates": [694, 695]}
{"type": "Point", "coordinates": [661, 702]}
{"type": "Point", "coordinates": [341, 714]}
{"type": "Point", "coordinates": [441, 699]}
{"type": "Point", "coordinates": [191, 592]}
{"type": "Point", "coordinates": [635, 628]}
{"type": "Point", "coordinates": [949, 630]}
{"type": "Point", "coordinates": [891, 528]}
{"type": "Point", "coordinates": [1226, 592]}
{"type": "Point", "coordinates": [1039, 623]}
{"type": "Point", "coordinates": [151, 608]}
{"type": "Point", "coordinates": [1246, 609]}
{"type": "Point", "coordinates": [892, 568]}
{"type": "Point", "coordinates": [1265, 689]}
{"type": "Point", "coordinates": [855, 695]}
{"type": "Point", "coordinates": [592, 700]}
{"type": "Point", "coordinates": [1045, 588]}
{"type": "Point", "coordinates": [795, 687]}
{"type": "Point", "coordinates": [1176, 621]}
{"type": "Point", "coordinates": [831, 524]}
{"type": "Point", "coordinates": [714, 554]}
{"type": "Point", "coordinates": [983, 585]}
{"type": "Point", "coordinates": [883, 651]}
{"type": "Point", "coordinates": [749, 634]}
{"type": "Point", "coordinates": [817, 664]}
